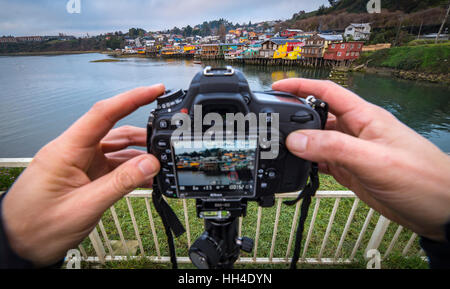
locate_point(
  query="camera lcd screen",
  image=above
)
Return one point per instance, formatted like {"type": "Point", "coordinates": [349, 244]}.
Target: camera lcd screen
{"type": "Point", "coordinates": [215, 169]}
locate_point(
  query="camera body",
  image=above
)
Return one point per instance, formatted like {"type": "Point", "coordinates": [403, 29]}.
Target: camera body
{"type": "Point", "coordinates": [221, 174]}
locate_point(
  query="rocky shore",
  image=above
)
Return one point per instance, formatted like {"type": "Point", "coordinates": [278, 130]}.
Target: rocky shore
{"type": "Point", "coordinates": [414, 75]}
{"type": "Point", "coordinates": [409, 74]}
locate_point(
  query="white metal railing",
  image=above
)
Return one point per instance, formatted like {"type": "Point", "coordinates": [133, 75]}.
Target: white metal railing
{"type": "Point", "coordinates": [378, 234]}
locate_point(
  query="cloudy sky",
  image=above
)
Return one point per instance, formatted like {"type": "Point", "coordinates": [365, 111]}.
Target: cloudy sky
{"type": "Point", "coordinates": [48, 17]}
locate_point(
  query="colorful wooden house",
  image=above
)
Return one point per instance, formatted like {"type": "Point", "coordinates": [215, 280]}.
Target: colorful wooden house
{"type": "Point", "coordinates": [296, 53]}
{"type": "Point", "coordinates": [277, 47]}
{"type": "Point", "coordinates": [210, 51]}
{"type": "Point", "coordinates": [290, 33]}
{"type": "Point", "coordinates": [344, 51]}
{"type": "Point", "coordinates": [316, 45]}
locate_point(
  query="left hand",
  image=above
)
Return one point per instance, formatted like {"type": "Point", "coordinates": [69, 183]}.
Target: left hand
{"type": "Point", "coordinates": [73, 180]}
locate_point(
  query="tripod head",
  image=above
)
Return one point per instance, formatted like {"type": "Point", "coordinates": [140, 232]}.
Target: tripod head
{"type": "Point", "coordinates": [219, 246]}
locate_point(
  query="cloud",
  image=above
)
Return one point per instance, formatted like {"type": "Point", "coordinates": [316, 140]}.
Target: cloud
{"type": "Point", "coordinates": [46, 17]}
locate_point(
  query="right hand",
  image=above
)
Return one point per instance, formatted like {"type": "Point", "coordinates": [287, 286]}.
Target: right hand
{"type": "Point", "coordinates": [365, 148]}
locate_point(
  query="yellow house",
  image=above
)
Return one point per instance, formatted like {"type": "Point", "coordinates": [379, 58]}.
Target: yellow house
{"type": "Point", "coordinates": [187, 48]}
{"type": "Point", "coordinates": [281, 52]}
{"type": "Point", "coordinates": [295, 54]}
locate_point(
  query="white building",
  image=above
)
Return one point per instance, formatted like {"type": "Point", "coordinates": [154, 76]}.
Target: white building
{"type": "Point", "coordinates": [358, 31]}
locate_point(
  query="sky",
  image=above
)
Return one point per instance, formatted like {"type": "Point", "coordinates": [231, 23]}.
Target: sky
{"type": "Point", "coordinates": [50, 17]}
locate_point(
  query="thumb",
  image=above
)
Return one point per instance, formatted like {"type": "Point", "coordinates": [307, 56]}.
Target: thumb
{"type": "Point", "coordinates": [105, 191]}
{"type": "Point", "coordinates": [331, 147]}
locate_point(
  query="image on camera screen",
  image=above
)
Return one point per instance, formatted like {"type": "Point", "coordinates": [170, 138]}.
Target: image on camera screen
{"type": "Point", "coordinates": [224, 167]}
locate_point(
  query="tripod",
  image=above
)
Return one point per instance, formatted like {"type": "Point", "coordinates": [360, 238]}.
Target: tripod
{"type": "Point", "coordinates": [219, 246]}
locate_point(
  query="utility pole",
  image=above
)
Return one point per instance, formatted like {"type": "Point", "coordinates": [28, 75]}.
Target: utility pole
{"type": "Point", "coordinates": [398, 31]}
{"type": "Point", "coordinates": [420, 29]}
{"type": "Point", "coordinates": [443, 24]}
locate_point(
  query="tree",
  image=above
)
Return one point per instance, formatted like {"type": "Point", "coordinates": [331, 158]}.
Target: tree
{"type": "Point", "coordinates": [134, 32]}
{"type": "Point", "coordinates": [321, 10]}
{"type": "Point", "coordinates": [188, 31]}
{"type": "Point", "coordinates": [332, 2]}
{"type": "Point", "coordinates": [222, 33]}
{"type": "Point", "coordinates": [206, 29]}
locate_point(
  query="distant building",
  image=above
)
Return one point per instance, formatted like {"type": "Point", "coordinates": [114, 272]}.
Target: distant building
{"type": "Point", "coordinates": [343, 51]}
{"type": "Point", "coordinates": [29, 39]}
{"type": "Point", "coordinates": [316, 45]}
{"type": "Point", "coordinates": [358, 31]}
{"type": "Point", "coordinates": [8, 40]}
{"type": "Point", "coordinates": [269, 47]}
{"type": "Point", "coordinates": [210, 51]}
{"type": "Point", "coordinates": [289, 33]}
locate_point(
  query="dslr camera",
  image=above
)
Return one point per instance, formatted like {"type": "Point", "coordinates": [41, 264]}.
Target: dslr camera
{"type": "Point", "coordinates": [224, 145]}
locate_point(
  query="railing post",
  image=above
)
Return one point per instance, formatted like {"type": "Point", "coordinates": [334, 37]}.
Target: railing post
{"type": "Point", "coordinates": [378, 234]}
{"type": "Point", "coordinates": [97, 244]}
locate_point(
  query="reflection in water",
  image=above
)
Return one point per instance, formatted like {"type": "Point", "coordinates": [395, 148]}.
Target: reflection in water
{"type": "Point", "coordinates": [425, 107]}
{"type": "Point", "coordinates": [41, 96]}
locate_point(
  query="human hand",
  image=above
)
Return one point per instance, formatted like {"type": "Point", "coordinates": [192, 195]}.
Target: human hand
{"type": "Point", "coordinates": [366, 149]}
{"type": "Point", "coordinates": [61, 196]}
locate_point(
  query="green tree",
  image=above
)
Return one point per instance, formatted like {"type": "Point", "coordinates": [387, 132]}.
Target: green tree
{"type": "Point", "coordinates": [187, 31]}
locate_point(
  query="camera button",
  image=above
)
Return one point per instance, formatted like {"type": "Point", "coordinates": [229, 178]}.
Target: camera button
{"type": "Point", "coordinates": [162, 143]}
{"type": "Point", "coordinates": [164, 158]}
{"type": "Point", "coordinates": [272, 174]}
{"type": "Point", "coordinates": [163, 124]}
{"type": "Point", "coordinates": [302, 117]}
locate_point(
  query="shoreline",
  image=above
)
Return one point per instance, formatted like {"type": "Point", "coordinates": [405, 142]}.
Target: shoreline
{"type": "Point", "coordinates": [41, 53]}
{"type": "Point", "coordinates": [384, 71]}
{"type": "Point", "coordinates": [411, 75]}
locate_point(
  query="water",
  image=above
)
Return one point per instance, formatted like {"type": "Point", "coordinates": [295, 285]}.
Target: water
{"type": "Point", "coordinates": [41, 96]}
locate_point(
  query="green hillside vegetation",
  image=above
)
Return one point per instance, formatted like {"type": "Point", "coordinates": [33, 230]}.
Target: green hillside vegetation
{"type": "Point", "coordinates": [411, 16]}
{"type": "Point", "coordinates": [408, 6]}
{"type": "Point", "coordinates": [430, 58]}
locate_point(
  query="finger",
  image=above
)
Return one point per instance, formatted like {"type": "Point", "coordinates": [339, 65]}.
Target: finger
{"type": "Point", "coordinates": [331, 122]}
{"type": "Point", "coordinates": [340, 100]}
{"type": "Point", "coordinates": [123, 137]}
{"type": "Point", "coordinates": [102, 193]}
{"type": "Point", "coordinates": [333, 148]}
{"type": "Point", "coordinates": [118, 158]}
{"type": "Point", "coordinates": [95, 124]}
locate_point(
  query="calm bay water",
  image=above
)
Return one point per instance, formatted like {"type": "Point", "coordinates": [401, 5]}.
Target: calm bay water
{"type": "Point", "coordinates": [40, 96]}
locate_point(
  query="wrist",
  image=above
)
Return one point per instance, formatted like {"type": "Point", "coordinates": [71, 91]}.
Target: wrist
{"type": "Point", "coordinates": [9, 258]}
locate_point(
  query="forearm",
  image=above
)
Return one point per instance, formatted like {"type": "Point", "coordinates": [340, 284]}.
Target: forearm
{"type": "Point", "coordinates": [8, 258]}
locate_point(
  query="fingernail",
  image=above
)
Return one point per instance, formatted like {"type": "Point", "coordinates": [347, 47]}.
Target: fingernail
{"type": "Point", "coordinates": [297, 142]}
{"type": "Point", "coordinates": [147, 168]}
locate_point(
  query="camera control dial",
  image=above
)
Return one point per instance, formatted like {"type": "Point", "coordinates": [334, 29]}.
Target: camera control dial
{"type": "Point", "coordinates": [170, 98]}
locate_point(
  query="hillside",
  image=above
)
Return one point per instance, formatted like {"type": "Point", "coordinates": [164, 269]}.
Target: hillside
{"type": "Point", "coordinates": [430, 58]}
{"type": "Point", "coordinates": [408, 6]}
{"type": "Point", "coordinates": [409, 13]}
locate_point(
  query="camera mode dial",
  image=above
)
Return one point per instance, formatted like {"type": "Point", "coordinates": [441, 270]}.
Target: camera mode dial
{"type": "Point", "coordinates": [170, 99]}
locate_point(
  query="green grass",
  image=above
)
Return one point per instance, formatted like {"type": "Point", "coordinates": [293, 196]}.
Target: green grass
{"type": "Point", "coordinates": [395, 259]}
{"type": "Point", "coordinates": [431, 58]}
